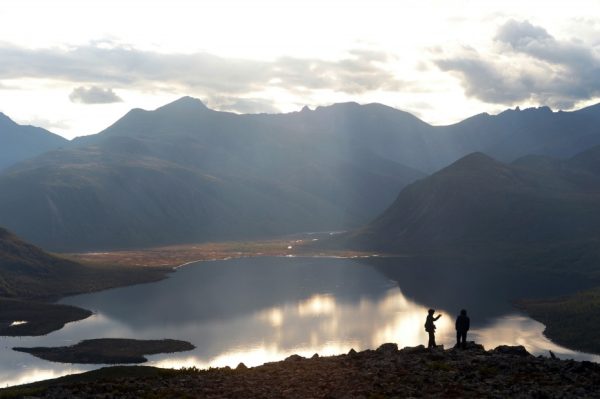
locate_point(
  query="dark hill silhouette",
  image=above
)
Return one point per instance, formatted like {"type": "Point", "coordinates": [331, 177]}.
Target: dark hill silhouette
{"type": "Point", "coordinates": [26, 269]}
{"type": "Point", "coordinates": [29, 273]}
{"type": "Point", "coordinates": [19, 142]}
{"type": "Point", "coordinates": [480, 205]}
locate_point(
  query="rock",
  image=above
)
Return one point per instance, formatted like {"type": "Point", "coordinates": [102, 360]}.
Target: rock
{"type": "Point", "coordinates": [241, 366]}
{"type": "Point", "coordinates": [472, 346]}
{"type": "Point", "coordinates": [293, 358]}
{"type": "Point", "coordinates": [414, 350]}
{"type": "Point", "coordinates": [388, 348]}
{"type": "Point", "coordinates": [315, 356]}
{"type": "Point", "coordinates": [352, 352]}
{"type": "Point", "coordinates": [518, 350]}
{"type": "Point", "coordinates": [586, 366]}
{"type": "Point", "coordinates": [385, 372]}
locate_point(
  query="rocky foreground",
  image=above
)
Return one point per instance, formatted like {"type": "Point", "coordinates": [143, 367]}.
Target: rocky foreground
{"type": "Point", "coordinates": [505, 372]}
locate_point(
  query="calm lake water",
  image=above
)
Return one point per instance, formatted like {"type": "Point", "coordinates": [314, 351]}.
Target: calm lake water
{"type": "Point", "coordinates": [257, 310]}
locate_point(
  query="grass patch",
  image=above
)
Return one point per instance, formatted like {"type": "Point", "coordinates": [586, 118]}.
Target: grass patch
{"type": "Point", "coordinates": [572, 321]}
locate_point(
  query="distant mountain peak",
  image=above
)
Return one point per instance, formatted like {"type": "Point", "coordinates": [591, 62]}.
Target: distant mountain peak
{"type": "Point", "coordinates": [590, 109]}
{"type": "Point", "coordinates": [186, 103]}
{"type": "Point", "coordinates": [474, 159]}
{"type": "Point", "coordinates": [339, 106]}
{"type": "Point", "coordinates": [4, 119]}
{"type": "Point", "coordinates": [544, 109]}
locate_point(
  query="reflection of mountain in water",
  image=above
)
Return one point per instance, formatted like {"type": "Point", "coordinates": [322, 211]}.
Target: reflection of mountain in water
{"type": "Point", "coordinates": [256, 310]}
{"type": "Point", "coordinates": [485, 291]}
{"type": "Point", "coordinates": [221, 290]}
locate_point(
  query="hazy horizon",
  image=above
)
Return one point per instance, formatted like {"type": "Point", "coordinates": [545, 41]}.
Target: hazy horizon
{"type": "Point", "coordinates": [109, 123]}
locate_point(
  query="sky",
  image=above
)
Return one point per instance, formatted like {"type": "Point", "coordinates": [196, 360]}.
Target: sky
{"type": "Point", "coordinates": [74, 67]}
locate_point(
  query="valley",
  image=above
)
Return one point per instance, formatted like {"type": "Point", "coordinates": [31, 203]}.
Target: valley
{"type": "Point", "coordinates": [181, 184]}
{"type": "Point", "coordinates": [29, 296]}
{"type": "Point", "coordinates": [174, 256]}
{"type": "Point", "coordinates": [290, 199]}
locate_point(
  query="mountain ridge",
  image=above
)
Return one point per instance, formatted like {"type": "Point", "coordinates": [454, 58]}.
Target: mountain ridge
{"type": "Point", "coordinates": [483, 205]}
{"type": "Point", "coordinates": [21, 142]}
{"type": "Point", "coordinates": [332, 168]}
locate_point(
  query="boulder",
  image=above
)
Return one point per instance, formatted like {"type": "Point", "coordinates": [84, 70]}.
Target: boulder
{"type": "Point", "coordinates": [518, 350]}
{"type": "Point", "coordinates": [388, 348]}
{"type": "Point", "coordinates": [294, 358]}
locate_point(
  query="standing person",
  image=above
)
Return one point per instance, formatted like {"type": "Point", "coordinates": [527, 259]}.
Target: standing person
{"type": "Point", "coordinates": [430, 327]}
{"type": "Point", "coordinates": [462, 326]}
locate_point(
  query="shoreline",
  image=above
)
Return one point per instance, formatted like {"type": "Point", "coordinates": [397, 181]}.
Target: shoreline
{"type": "Point", "coordinates": [506, 371]}
{"type": "Point", "coordinates": [226, 251]}
{"type": "Point", "coordinates": [107, 350]}
{"type": "Point", "coordinates": [124, 268]}
{"type": "Point", "coordinates": [176, 256]}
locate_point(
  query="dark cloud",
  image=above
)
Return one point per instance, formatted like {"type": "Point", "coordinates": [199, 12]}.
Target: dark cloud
{"type": "Point", "coordinates": [359, 72]}
{"type": "Point", "coordinates": [484, 80]}
{"type": "Point", "coordinates": [530, 65]}
{"type": "Point", "coordinates": [524, 38]}
{"type": "Point", "coordinates": [521, 34]}
{"type": "Point", "coordinates": [94, 95]}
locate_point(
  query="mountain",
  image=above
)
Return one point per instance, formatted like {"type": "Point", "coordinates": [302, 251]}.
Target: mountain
{"type": "Point", "coordinates": [26, 269]}
{"type": "Point", "coordinates": [31, 277]}
{"type": "Point", "coordinates": [516, 133]}
{"type": "Point", "coordinates": [184, 172]}
{"type": "Point", "coordinates": [21, 142]}
{"type": "Point", "coordinates": [29, 273]}
{"type": "Point", "coordinates": [479, 205]}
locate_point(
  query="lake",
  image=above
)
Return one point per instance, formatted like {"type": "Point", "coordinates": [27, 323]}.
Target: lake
{"type": "Point", "coordinates": [257, 310]}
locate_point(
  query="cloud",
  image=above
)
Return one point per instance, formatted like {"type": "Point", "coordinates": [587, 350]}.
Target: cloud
{"type": "Point", "coordinates": [4, 86]}
{"type": "Point", "coordinates": [360, 71]}
{"type": "Point", "coordinates": [49, 124]}
{"type": "Point", "coordinates": [94, 95]}
{"type": "Point", "coordinates": [246, 105]}
{"type": "Point", "coordinates": [521, 34]}
{"type": "Point", "coordinates": [528, 64]}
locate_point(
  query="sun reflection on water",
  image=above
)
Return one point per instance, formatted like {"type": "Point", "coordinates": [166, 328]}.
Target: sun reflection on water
{"type": "Point", "coordinates": [329, 317]}
{"type": "Point", "coordinates": [321, 324]}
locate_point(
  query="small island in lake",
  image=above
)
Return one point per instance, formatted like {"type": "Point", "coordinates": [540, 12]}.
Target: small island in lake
{"type": "Point", "coordinates": [28, 318]}
{"type": "Point", "coordinates": [108, 350]}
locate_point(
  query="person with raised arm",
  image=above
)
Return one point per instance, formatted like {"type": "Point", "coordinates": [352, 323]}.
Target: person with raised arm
{"type": "Point", "coordinates": [430, 327]}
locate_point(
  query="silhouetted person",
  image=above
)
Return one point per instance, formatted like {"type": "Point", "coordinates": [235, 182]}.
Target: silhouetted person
{"type": "Point", "coordinates": [462, 326]}
{"type": "Point", "coordinates": [430, 327]}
